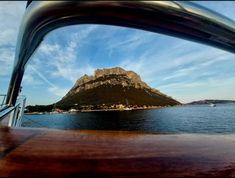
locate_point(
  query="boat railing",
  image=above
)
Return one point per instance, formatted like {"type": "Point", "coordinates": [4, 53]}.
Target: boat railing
{"type": "Point", "coordinates": [12, 114]}
{"type": "Point", "coordinates": [2, 101]}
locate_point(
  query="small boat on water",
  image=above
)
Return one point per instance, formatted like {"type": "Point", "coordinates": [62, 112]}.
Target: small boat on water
{"type": "Point", "coordinates": [212, 105]}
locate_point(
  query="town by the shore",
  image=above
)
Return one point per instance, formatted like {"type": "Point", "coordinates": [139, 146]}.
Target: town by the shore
{"type": "Point", "coordinates": [88, 109]}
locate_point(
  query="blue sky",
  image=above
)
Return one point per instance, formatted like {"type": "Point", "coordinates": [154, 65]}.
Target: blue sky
{"type": "Point", "coordinates": [182, 69]}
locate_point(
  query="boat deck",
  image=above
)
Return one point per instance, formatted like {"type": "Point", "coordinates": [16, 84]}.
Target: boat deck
{"type": "Point", "coordinates": [44, 152]}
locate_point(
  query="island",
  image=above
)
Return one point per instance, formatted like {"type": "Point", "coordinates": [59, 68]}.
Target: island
{"type": "Point", "coordinates": [107, 90]}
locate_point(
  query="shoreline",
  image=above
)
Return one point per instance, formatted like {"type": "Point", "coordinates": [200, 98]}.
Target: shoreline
{"type": "Point", "coordinates": [100, 110]}
{"type": "Point", "coordinates": [124, 109]}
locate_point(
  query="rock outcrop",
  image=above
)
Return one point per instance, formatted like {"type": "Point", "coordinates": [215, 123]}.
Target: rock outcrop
{"type": "Point", "coordinates": [114, 86]}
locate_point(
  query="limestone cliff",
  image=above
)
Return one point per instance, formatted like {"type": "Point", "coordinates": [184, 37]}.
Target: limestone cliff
{"type": "Point", "coordinates": [114, 86]}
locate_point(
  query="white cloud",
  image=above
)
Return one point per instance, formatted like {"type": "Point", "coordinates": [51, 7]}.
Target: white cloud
{"type": "Point", "coordinates": [41, 76]}
{"type": "Point", "coordinates": [176, 61]}
{"type": "Point", "coordinates": [129, 43]}
{"type": "Point", "coordinates": [58, 91]}
{"type": "Point", "coordinates": [63, 58]}
{"type": "Point", "coordinates": [211, 88]}
{"type": "Point", "coordinates": [55, 60]}
{"type": "Point", "coordinates": [29, 79]}
{"type": "Point", "coordinates": [11, 13]}
{"type": "Point", "coordinates": [63, 61]}
{"type": "Point", "coordinates": [10, 18]}
{"type": "Point", "coordinates": [6, 61]}
{"type": "Point", "coordinates": [34, 77]}
{"type": "Point", "coordinates": [202, 62]}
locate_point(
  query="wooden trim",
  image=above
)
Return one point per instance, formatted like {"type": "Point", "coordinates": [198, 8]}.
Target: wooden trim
{"type": "Point", "coordinates": [44, 152]}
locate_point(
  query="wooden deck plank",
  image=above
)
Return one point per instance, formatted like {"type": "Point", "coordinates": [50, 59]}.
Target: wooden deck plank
{"type": "Point", "coordinates": [39, 152]}
{"type": "Point", "coordinates": [12, 138]}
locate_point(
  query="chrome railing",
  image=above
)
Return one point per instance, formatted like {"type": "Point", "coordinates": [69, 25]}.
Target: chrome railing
{"type": "Point", "coordinates": [2, 101]}
{"type": "Point", "coordinates": [12, 115]}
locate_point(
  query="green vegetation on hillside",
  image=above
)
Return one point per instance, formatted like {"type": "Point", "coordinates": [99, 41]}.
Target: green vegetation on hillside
{"type": "Point", "coordinates": [109, 95]}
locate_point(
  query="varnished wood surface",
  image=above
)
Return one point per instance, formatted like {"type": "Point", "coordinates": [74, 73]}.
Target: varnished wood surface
{"type": "Point", "coordinates": [43, 153]}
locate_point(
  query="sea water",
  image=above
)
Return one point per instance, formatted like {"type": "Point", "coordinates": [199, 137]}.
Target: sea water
{"type": "Point", "coordinates": [178, 119]}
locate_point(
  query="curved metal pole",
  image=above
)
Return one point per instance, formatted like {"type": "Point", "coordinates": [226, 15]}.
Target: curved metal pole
{"type": "Point", "coordinates": [180, 19]}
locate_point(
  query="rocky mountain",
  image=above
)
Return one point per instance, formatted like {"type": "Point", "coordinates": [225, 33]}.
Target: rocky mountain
{"type": "Point", "coordinates": [112, 87]}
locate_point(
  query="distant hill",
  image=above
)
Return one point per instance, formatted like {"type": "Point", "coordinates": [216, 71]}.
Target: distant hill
{"type": "Point", "coordinates": [111, 87]}
{"type": "Point", "coordinates": [210, 101]}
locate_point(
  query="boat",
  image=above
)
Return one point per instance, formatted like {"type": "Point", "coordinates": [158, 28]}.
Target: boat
{"type": "Point", "coordinates": [73, 111]}
{"type": "Point", "coordinates": [32, 152]}
{"type": "Point", "coordinates": [127, 109]}
{"type": "Point", "coordinates": [212, 105]}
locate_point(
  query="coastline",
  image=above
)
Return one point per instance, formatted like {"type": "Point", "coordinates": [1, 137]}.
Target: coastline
{"type": "Point", "coordinates": [101, 110]}
{"type": "Point", "coordinates": [124, 109]}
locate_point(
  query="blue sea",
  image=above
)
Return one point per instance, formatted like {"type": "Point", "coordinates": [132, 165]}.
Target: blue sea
{"type": "Point", "coordinates": [178, 119]}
